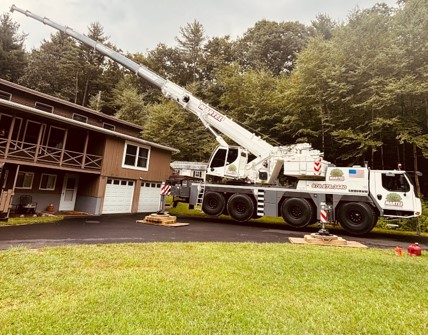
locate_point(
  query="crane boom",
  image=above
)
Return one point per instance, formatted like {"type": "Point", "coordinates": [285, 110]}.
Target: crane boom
{"type": "Point", "coordinates": [209, 116]}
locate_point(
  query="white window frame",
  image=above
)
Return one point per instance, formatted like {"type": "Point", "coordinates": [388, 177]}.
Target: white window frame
{"type": "Point", "coordinates": [77, 117]}
{"type": "Point", "coordinates": [135, 167]}
{"type": "Point", "coordinates": [54, 183]}
{"type": "Point", "coordinates": [43, 107]}
{"type": "Point", "coordinates": [32, 180]}
{"type": "Point", "coordinates": [5, 95]}
{"type": "Point", "coordinates": [109, 126]}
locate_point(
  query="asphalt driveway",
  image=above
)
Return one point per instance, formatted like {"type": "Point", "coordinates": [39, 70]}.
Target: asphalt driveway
{"type": "Point", "coordinates": [125, 229]}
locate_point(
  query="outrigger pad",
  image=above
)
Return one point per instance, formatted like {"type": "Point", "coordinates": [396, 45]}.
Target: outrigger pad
{"type": "Point", "coordinates": [339, 242]}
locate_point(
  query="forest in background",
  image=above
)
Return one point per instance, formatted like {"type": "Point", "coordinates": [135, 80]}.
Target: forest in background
{"type": "Point", "coordinates": [356, 90]}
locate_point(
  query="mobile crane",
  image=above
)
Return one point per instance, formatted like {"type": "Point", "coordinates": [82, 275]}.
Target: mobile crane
{"type": "Point", "coordinates": [357, 196]}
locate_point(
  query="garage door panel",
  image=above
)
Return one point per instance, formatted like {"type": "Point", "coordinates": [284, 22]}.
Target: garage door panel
{"type": "Point", "coordinates": [118, 196]}
{"type": "Point", "coordinates": [149, 197]}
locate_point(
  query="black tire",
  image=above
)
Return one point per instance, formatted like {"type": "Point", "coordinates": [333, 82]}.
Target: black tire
{"type": "Point", "coordinates": [240, 207]}
{"type": "Point", "coordinates": [213, 203]}
{"type": "Point", "coordinates": [298, 212]}
{"type": "Point", "coordinates": [357, 218]}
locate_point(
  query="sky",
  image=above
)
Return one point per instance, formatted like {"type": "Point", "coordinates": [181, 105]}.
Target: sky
{"type": "Point", "coordinates": [140, 25]}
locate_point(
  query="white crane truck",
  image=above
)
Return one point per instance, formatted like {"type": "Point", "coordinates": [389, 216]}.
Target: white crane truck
{"type": "Point", "coordinates": [248, 174]}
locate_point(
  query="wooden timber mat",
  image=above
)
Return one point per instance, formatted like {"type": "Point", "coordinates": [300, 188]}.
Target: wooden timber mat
{"type": "Point", "coordinates": [315, 241]}
{"type": "Point", "coordinates": [162, 220]}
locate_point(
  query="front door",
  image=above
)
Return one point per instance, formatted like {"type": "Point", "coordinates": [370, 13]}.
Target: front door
{"type": "Point", "coordinates": [69, 192]}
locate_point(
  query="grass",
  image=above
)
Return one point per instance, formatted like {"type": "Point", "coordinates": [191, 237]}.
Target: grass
{"type": "Point", "coordinates": [30, 220]}
{"type": "Point", "coordinates": [212, 288]}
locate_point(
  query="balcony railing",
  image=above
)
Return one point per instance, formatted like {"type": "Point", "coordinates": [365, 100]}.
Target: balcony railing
{"type": "Point", "coordinates": [49, 155]}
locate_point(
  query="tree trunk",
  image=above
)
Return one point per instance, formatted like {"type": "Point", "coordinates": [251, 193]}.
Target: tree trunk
{"type": "Point", "coordinates": [426, 111]}
{"type": "Point", "coordinates": [404, 156]}
{"type": "Point", "coordinates": [85, 93]}
{"type": "Point", "coordinates": [322, 125]}
{"type": "Point", "coordinates": [76, 92]}
{"type": "Point", "coordinates": [415, 168]}
{"type": "Point", "coordinates": [398, 154]}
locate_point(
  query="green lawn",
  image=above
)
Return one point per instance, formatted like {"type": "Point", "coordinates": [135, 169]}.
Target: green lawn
{"type": "Point", "coordinates": [17, 221]}
{"type": "Point", "coordinates": [212, 288]}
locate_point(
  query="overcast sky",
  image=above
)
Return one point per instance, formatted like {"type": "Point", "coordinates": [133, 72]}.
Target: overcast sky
{"type": "Point", "coordinates": [140, 25]}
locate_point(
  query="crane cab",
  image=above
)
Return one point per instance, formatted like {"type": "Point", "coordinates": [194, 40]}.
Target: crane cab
{"type": "Point", "coordinates": [228, 162]}
{"type": "Point", "coordinates": [394, 193]}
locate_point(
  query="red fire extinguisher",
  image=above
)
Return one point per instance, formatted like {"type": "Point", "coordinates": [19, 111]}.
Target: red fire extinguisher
{"type": "Point", "coordinates": [414, 250]}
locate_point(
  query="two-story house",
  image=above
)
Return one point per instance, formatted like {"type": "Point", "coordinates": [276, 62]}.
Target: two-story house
{"type": "Point", "coordinates": [54, 153]}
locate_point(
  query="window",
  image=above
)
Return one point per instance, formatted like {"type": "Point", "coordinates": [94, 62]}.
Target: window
{"type": "Point", "coordinates": [395, 182]}
{"type": "Point", "coordinates": [5, 95]}
{"type": "Point", "coordinates": [44, 107]}
{"type": "Point", "coordinates": [136, 157]}
{"type": "Point", "coordinates": [219, 158]}
{"type": "Point", "coordinates": [25, 180]}
{"type": "Point", "coordinates": [109, 126]}
{"type": "Point", "coordinates": [47, 182]}
{"type": "Point", "coordinates": [197, 174]}
{"type": "Point", "coordinates": [80, 118]}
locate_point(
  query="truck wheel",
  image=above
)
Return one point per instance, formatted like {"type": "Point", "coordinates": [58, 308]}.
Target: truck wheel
{"type": "Point", "coordinates": [357, 218]}
{"type": "Point", "coordinates": [240, 207]}
{"type": "Point", "coordinates": [298, 212]}
{"type": "Point", "coordinates": [213, 203]}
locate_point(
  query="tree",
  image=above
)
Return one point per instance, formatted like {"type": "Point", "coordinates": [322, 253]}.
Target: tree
{"type": "Point", "coordinates": [129, 103]}
{"type": "Point", "coordinates": [251, 98]}
{"type": "Point", "coordinates": [52, 68]}
{"type": "Point", "coordinates": [94, 66]}
{"type": "Point", "coordinates": [169, 63]}
{"type": "Point", "coordinates": [272, 46]}
{"type": "Point", "coordinates": [12, 53]}
{"type": "Point", "coordinates": [218, 53]}
{"type": "Point", "coordinates": [323, 26]}
{"type": "Point", "coordinates": [312, 95]}
{"type": "Point", "coordinates": [191, 45]}
{"type": "Point", "coordinates": [169, 124]}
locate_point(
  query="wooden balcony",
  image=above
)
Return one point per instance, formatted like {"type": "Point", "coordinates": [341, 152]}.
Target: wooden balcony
{"type": "Point", "coordinates": [45, 155]}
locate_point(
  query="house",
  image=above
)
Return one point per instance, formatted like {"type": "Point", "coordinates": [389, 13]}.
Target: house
{"type": "Point", "coordinates": [57, 154]}
{"type": "Point", "coordinates": [190, 169]}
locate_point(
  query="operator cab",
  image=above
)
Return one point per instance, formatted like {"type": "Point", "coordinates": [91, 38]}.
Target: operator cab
{"type": "Point", "coordinates": [395, 193]}
{"type": "Point", "coordinates": [228, 162]}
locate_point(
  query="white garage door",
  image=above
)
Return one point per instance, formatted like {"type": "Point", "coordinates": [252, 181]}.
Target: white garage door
{"type": "Point", "coordinates": [118, 196]}
{"type": "Point", "coordinates": [149, 197]}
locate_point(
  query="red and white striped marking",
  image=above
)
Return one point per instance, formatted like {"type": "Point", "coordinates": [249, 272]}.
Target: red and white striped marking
{"type": "Point", "coordinates": [165, 189]}
{"type": "Point", "coordinates": [323, 215]}
{"type": "Point", "coordinates": [317, 166]}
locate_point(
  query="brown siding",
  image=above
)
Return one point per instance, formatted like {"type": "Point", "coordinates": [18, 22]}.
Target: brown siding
{"type": "Point", "coordinates": [158, 165]}
{"type": "Point", "coordinates": [89, 185]}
